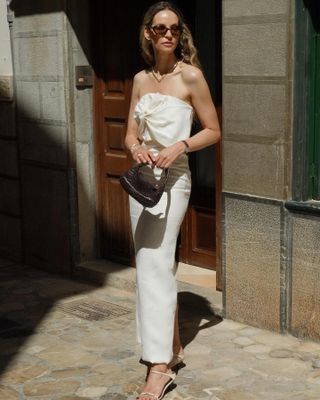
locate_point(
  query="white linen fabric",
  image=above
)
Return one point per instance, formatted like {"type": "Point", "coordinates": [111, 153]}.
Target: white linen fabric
{"type": "Point", "coordinates": [163, 120]}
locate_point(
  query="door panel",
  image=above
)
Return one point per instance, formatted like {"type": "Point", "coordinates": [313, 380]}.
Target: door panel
{"type": "Point", "coordinates": [113, 161]}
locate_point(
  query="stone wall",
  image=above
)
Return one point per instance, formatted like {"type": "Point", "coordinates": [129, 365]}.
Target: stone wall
{"type": "Point", "coordinates": [54, 127]}
{"type": "Point", "coordinates": [257, 79]}
{"type": "Point", "coordinates": [44, 130]}
{"type": "Point", "coordinates": [80, 53]}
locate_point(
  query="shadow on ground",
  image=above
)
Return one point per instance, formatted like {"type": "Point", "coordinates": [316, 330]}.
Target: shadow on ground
{"type": "Point", "coordinates": [193, 309]}
{"type": "Point", "coordinates": [27, 296]}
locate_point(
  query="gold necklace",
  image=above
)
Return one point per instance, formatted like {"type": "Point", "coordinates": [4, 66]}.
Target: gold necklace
{"type": "Point", "coordinates": [164, 75]}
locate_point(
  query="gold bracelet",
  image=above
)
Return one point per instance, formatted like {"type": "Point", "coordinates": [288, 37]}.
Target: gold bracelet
{"type": "Point", "coordinates": [133, 146]}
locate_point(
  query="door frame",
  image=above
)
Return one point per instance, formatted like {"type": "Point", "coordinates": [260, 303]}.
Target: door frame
{"type": "Point", "coordinates": [96, 131]}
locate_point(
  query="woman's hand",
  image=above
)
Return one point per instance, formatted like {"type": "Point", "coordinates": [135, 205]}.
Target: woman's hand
{"type": "Point", "coordinates": [141, 154]}
{"type": "Point", "coordinates": [169, 154]}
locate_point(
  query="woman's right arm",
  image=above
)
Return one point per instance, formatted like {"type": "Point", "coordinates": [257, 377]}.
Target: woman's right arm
{"type": "Point", "coordinates": [138, 151]}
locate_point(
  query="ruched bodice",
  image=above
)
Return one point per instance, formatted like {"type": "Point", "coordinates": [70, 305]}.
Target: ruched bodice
{"type": "Point", "coordinates": [163, 119]}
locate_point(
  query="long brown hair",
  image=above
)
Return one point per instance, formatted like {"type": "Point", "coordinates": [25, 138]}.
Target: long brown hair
{"type": "Point", "coordinates": [185, 51]}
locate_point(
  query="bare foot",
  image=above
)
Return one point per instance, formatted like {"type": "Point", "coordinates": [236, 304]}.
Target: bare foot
{"type": "Point", "coordinates": [155, 382]}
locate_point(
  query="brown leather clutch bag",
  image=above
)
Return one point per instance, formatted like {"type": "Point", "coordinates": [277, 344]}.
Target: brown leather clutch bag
{"type": "Point", "coordinates": [146, 193]}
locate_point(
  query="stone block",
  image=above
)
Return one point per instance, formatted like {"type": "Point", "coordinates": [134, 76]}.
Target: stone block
{"type": "Point", "coordinates": [8, 158]}
{"type": "Point", "coordinates": [7, 116]}
{"type": "Point", "coordinates": [253, 168]}
{"type": "Point", "coordinates": [87, 228]}
{"type": "Point", "coordinates": [255, 109]}
{"type": "Point", "coordinates": [4, 29]}
{"type": "Point", "coordinates": [6, 87]}
{"type": "Point", "coordinates": [252, 254]}
{"type": "Point", "coordinates": [10, 237]}
{"type": "Point", "coordinates": [5, 45]}
{"type": "Point", "coordinates": [39, 22]}
{"type": "Point", "coordinates": [305, 320]}
{"type": "Point", "coordinates": [28, 99]}
{"type": "Point", "coordinates": [44, 142]}
{"type": "Point", "coordinates": [46, 218]}
{"type": "Point", "coordinates": [246, 8]}
{"type": "Point", "coordinates": [9, 196]}
{"type": "Point", "coordinates": [39, 56]}
{"type": "Point", "coordinates": [79, 56]}
{"type": "Point", "coordinates": [83, 115]}
{"type": "Point", "coordinates": [53, 102]}
{"type": "Point", "coordinates": [255, 49]}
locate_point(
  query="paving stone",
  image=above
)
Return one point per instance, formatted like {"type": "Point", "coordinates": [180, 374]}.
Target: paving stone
{"type": "Point", "coordinates": [22, 373]}
{"type": "Point", "coordinates": [257, 348]}
{"type": "Point", "coordinates": [237, 395]}
{"type": "Point", "coordinates": [273, 339]}
{"type": "Point", "coordinates": [243, 341]}
{"type": "Point", "coordinates": [34, 349]}
{"type": "Point", "coordinates": [7, 393]}
{"type": "Point", "coordinates": [196, 348]}
{"type": "Point", "coordinates": [305, 356]}
{"type": "Point", "coordinates": [250, 331]}
{"type": "Point", "coordinates": [309, 347]}
{"type": "Point", "coordinates": [229, 325]}
{"type": "Point", "coordinates": [206, 332]}
{"type": "Point", "coordinates": [69, 372]}
{"type": "Point", "coordinates": [281, 353]}
{"type": "Point", "coordinates": [223, 335]}
{"type": "Point", "coordinates": [92, 391]}
{"type": "Point", "coordinates": [9, 346]}
{"type": "Point", "coordinates": [73, 398]}
{"type": "Point", "coordinates": [71, 357]}
{"type": "Point", "coordinates": [287, 368]}
{"type": "Point", "coordinates": [221, 374]}
{"type": "Point", "coordinates": [50, 388]}
{"type": "Point", "coordinates": [11, 306]}
{"type": "Point", "coordinates": [314, 377]}
{"type": "Point", "coordinates": [316, 363]}
{"type": "Point", "coordinates": [113, 396]}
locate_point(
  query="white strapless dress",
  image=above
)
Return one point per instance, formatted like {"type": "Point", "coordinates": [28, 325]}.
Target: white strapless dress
{"type": "Point", "coordinates": [163, 120]}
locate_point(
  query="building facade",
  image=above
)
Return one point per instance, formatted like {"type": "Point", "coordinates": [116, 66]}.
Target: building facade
{"type": "Point", "coordinates": [60, 202]}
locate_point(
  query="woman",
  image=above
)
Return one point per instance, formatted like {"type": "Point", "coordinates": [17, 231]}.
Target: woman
{"type": "Point", "coordinates": [164, 99]}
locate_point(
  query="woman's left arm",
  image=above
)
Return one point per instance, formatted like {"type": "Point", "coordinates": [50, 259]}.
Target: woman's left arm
{"type": "Point", "coordinates": [205, 110]}
{"type": "Point", "coordinates": [203, 105]}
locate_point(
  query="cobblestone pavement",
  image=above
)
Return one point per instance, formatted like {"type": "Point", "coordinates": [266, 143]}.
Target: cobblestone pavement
{"type": "Point", "coordinates": [65, 340]}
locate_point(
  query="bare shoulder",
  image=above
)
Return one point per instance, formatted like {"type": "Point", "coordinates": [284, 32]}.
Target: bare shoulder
{"type": "Point", "coordinates": [140, 77]}
{"type": "Point", "coordinates": [191, 74]}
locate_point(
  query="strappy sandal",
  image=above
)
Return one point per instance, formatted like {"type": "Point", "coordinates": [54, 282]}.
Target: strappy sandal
{"type": "Point", "coordinates": [172, 377]}
{"type": "Point", "coordinates": [176, 360]}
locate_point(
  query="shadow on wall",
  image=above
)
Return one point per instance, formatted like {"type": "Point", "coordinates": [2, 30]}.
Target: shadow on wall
{"type": "Point", "coordinates": [40, 157]}
{"type": "Point", "coordinates": [314, 7]}
{"type": "Point", "coordinates": [79, 12]}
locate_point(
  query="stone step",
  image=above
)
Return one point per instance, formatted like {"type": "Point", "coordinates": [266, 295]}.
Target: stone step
{"type": "Point", "coordinates": [109, 273]}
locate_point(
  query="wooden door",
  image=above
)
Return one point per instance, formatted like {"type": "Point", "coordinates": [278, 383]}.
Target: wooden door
{"type": "Point", "coordinates": [200, 235]}
{"type": "Point", "coordinates": [116, 36]}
